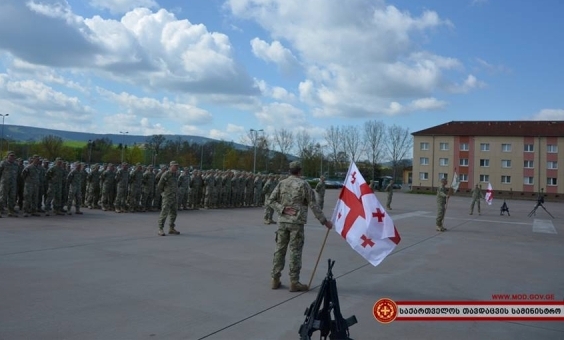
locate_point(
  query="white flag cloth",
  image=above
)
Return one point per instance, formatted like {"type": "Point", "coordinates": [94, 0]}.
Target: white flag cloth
{"type": "Point", "coordinates": [361, 220]}
{"type": "Point", "coordinates": [455, 182]}
{"type": "Point", "coordinates": [489, 194]}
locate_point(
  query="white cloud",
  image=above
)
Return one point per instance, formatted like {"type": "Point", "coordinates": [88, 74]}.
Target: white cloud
{"type": "Point", "coordinates": [549, 114]}
{"type": "Point", "coordinates": [153, 108]}
{"type": "Point", "coordinates": [134, 124]}
{"type": "Point", "coordinates": [357, 54]}
{"type": "Point", "coordinates": [275, 53]}
{"type": "Point", "coordinates": [33, 100]}
{"type": "Point", "coordinates": [122, 6]}
{"type": "Point", "coordinates": [275, 92]}
{"type": "Point", "coordinates": [470, 83]}
{"type": "Point", "coordinates": [281, 115]}
{"type": "Point", "coordinates": [491, 68]}
{"type": "Point", "coordinates": [421, 104]}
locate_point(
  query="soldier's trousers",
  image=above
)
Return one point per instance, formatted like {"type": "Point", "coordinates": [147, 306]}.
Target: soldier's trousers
{"type": "Point", "coordinates": [93, 196]}
{"type": "Point", "coordinates": [288, 235]}
{"type": "Point", "coordinates": [441, 208]}
{"type": "Point", "coordinates": [147, 199]}
{"type": "Point", "coordinates": [75, 194]}
{"type": "Point", "coordinates": [30, 198]}
{"type": "Point", "coordinates": [389, 201]}
{"type": "Point", "coordinates": [168, 209]}
{"type": "Point", "coordinates": [54, 198]}
{"type": "Point", "coordinates": [268, 212]}
{"type": "Point", "coordinates": [107, 197]}
{"type": "Point", "coordinates": [121, 196]}
{"type": "Point", "coordinates": [8, 195]}
{"type": "Point", "coordinates": [474, 201]}
{"type": "Point", "coordinates": [181, 198]}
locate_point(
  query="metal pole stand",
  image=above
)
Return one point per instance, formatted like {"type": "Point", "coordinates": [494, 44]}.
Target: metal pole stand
{"type": "Point", "coordinates": [318, 317]}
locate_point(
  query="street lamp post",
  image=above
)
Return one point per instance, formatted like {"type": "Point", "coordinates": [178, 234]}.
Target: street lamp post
{"type": "Point", "coordinates": [202, 157]}
{"type": "Point", "coordinates": [4, 115]}
{"type": "Point", "coordinates": [123, 144]}
{"type": "Point", "coordinates": [255, 132]}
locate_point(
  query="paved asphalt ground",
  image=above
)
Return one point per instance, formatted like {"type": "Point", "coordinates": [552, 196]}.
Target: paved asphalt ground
{"type": "Point", "coordinates": [109, 276]}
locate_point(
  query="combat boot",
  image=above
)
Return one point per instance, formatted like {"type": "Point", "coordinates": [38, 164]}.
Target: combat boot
{"type": "Point", "coordinates": [298, 287]}
{"type": "Point", "coordinates": [161, 232]}
{"type": "Point", "coordinates": [441, 229]}
{"type": "Point", "coordinates": [275, 284]}
{"type": "Point", "coordinates": [173, 231]}
{"type": "Point", "coordinates": [59, 212]}
{"type": "Point", "coordinates": [78, 212]}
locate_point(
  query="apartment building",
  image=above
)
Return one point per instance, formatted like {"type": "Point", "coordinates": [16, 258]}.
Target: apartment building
{"type": "Point", "coordinates": [518, 158]}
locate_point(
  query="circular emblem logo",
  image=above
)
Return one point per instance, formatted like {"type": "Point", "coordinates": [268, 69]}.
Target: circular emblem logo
{"type": "Point", "coordinates": [385, 310]}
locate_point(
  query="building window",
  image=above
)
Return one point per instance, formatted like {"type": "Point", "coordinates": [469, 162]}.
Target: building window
{"type": "Point", "coordinates": [443, 161]}
{"type": "Point", "coordinates": [529, 148]}
{"type": "Point", "coordinates": [506, 179]}
{"type": "Point", "coordinates": [423, 176]}
{"type": "Point", "coordinates": [506, 147]}
{"type": "Point", "coordinates": [443, 175]}
{"type": "Point", "coordinates": [463, 177]}
{"type": "Point", "coordinates": [506, 163]}
{"type": "Point", "coordinates": [485, 146]}
{"type": "Point", "coordinates": [464, 147]}
{"type": "Point", "coordinates": [528, 180]}
{"type": "Point", "coordinates": [484, 162]}
{"type": "Point", "coordinates": [464, 162]}
{"type": "Point", "coordinates": [551, 181]}
{"type": "Point", "coordinates": [443, 146]}
{"type": "Point", "coordinates": [528, 164]}
{"type": "Point", "coordinates": [552, 165]}
{"type": "Point", "coordinates": [551, 148]}
{"type": "Point", "coordinates": [484, 178]}
{"type": "Point", "coordinates": [424, 146]}
{"type": "Point", "coordinates": [424, 160]}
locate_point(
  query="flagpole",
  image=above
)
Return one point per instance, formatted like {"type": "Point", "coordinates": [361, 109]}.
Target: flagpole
{"type": "Point", "coordinates": [318, 257]}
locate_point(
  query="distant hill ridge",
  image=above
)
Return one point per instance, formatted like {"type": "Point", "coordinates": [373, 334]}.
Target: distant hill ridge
{"type": "Point", "coordinates": [27, 133]}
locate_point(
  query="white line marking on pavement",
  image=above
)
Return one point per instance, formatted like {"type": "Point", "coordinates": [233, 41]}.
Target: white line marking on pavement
{"type": "Point", "coordinates": [408, 215]}
{"type": "Point", "coordinates": [543, 226]}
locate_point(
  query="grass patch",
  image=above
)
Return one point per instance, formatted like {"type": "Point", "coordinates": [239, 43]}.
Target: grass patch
{"type": "Point", "coordinates": [75, 143]}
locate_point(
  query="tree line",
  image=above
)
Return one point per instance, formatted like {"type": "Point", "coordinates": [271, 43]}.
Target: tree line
{"type": "Point", "coordinates": [368, 145]}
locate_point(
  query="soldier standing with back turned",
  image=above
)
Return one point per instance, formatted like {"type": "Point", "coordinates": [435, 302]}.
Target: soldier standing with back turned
{"type": "Point", "coordinates": [291, 199]}
{"type": "Point", "coordinates": [168, 187]}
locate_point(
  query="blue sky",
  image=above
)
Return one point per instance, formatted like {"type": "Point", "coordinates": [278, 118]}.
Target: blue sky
{"type": "Point", "coordinates": [217, 68]}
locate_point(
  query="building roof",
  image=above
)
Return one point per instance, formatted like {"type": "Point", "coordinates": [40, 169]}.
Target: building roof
{"type": "Point", "coordinates": [519, 128]}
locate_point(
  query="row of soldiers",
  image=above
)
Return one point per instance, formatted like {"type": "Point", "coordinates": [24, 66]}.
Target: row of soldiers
{"type": "Point", "coordinates": [49, 188]}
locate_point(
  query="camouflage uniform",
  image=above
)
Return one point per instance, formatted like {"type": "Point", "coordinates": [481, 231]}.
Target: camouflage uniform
{"type": "Point", "coordinates": [54, 197]}
{"type": "Point", "coordinates": [390, 191]}
{"type": "Point", "coordinates": [30, 176]}
{"type": "Point", "coordinates": [93, 179]}
{"type": "Point", "coordinates": [320, 192]}
{"type": "Point", "coordinates": [122, 178]}
{"type": "Point", "coordinates": [108, 183]}
{"type": "Point", "coordinates": [8, 184]}
{"type": "Point", "coordinates": [135, 188]}
{"type": "Point", "coordinates": [292, 192]}
{"type": "Point", "coordinates": [476, 196]}
{"type": "Point", "coordinates": [196, 189]}
{"type": "Point", "coordinates": [442, 196]}
{"type": "Point", "coordinates": [41, 171]}
{"type": "Point", "coordinates": [158, 198]}
{"type": "Point", "coordinates": [267, 189]}
{"type": "Point", "coordinates": [168, 186]}
{"type": "Point", "coordinates": [183, 185]}
{"type": "Point", "coordinates": [257, 191]}
{"type": "Point", "coordinates": [148, 189]}
{"type": "Point", "coordinates": [74, 179]}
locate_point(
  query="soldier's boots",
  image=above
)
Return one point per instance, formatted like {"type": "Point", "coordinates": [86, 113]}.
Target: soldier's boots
{"type": "Point", "coordinates": [59, 212]}
{"type": "Point", "coordinates": [78, 212]}
{"type": "Point", "coordinates": [298, 287]}
{"type": "Point", "coordinates": [266, 222]}
{"type": "Point", "coordinates": [161, 232]}
{"type": "Point", "coordinates": [275, 284]}
{"type": "Point", "coordinates": [118, 210]}
{"type": "Point", "coordinates": [13, 213]}
{"type": "Point", "coordinates": [441, 229]}
{"type": "Point", "coordinates": [35, 214]}
{"type": "Point", "coordinates": [173, 231]}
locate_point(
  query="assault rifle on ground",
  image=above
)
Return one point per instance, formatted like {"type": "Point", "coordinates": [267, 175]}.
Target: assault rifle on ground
{"type": "Point", "coordinates": [318, 317]}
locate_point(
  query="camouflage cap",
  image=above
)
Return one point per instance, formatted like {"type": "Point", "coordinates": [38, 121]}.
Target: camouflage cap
{"type": "Point", "coordinates": [173, 163]}
{"type": "Point", "coordinates": [58, 159]}
{"type": "Point", "coordinates": [295, 165]}
{"type": "Point", "coordinates": [10, 153]}
{"type": "Point", "coordinates": [138, 164]}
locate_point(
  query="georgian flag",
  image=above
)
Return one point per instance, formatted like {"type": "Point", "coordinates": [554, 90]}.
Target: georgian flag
{"type": "Point", "coordinates": [489, 194]}
{"type": "Point", "coordinates": [455, 182]}
{"type": "Point", "coordinates": [361, 220]}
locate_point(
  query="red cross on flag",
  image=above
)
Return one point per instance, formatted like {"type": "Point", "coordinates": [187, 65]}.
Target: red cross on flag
{"type": "Point", "coordinates": [361, 220]}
